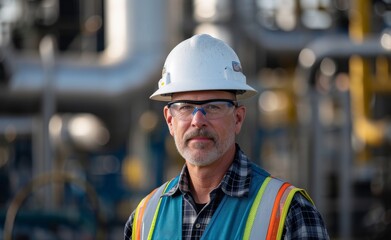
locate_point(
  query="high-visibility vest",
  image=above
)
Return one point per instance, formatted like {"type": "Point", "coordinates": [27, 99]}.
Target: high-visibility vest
{"type": "Point", "coordinates": [261, 215]}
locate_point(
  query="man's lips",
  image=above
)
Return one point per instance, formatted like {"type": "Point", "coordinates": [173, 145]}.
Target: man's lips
{"type": "Point", "coordinates": [202, 139]}
{"type": "Point", "coordinates": [199, 136]}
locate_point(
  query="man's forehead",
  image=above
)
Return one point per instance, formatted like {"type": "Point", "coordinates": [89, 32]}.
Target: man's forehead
{"type": "Point", "coordinates": [200, 95]}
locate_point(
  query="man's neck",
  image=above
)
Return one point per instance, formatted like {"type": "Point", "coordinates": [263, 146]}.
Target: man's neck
{"type": "Point", "coordinates": [204, 180]}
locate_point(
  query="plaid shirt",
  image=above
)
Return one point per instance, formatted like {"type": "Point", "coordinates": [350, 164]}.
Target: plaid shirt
{"type": "Point", "coordinates": [303, 220]}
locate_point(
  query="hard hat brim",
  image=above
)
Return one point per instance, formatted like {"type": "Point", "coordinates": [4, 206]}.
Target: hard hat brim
{"type": "Point", "coordinates": [164, 93]}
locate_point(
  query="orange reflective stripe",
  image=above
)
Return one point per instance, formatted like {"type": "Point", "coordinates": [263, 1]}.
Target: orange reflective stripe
{"type": "Point", "coordinates": [140, 215]}
{"type": "Point", "coordinates": [276, 214]}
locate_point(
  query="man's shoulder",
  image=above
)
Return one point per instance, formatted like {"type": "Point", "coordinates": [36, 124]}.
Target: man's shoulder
{"type": "Point", "coordinates": [304, 219]}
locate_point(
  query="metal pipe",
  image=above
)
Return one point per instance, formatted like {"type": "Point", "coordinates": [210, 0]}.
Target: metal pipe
{"type": "Point", "coordinates": [48, 110]}
{"type": "Point", "coordinates": [136, 47]}
{"type": "Point", "coordinates": [103, 84]}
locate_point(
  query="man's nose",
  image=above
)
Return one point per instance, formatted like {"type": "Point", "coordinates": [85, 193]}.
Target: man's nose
{"type": "Point", "coordinates": [199, 117]}
{"type": "Point", "coordinates": [196, 109]}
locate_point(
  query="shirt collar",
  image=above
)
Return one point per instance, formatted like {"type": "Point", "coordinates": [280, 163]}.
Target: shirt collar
{"type": "Point", "coordinates": [235, 183]}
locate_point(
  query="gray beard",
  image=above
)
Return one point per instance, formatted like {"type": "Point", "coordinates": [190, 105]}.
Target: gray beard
{"type": "Point", "coordinates": [203, 157]}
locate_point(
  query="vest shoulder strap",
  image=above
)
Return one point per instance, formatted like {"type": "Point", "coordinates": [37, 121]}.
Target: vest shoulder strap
{"type": "Point", "coordinates": [146, 214]}
{"type": "Point", "coordinates": [269, 210]}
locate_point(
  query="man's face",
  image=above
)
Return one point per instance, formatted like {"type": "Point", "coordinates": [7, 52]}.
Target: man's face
{"type": "Point", "coordinates": [202, 141]}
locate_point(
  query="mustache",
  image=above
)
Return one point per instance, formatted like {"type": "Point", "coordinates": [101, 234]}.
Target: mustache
{"type": "Point", "coordinates": [199, 133]}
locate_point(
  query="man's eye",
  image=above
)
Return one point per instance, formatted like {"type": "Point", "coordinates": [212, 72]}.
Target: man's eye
{"type": "Point", "coordinates": [185, 107]}
{"type": "Point", "coordinates": [212, 107]}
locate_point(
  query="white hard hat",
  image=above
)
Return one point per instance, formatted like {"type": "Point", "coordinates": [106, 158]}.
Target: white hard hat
{"type": "Point", "coordinates": [202, 63]}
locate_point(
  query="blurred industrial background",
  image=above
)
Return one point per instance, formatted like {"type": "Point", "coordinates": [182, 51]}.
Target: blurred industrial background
{"type": "Point", "coordinates": [81, 143]}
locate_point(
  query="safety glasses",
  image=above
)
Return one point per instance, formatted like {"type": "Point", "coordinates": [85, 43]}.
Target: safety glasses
{"type": "Point", "coordinates": [211, 109]}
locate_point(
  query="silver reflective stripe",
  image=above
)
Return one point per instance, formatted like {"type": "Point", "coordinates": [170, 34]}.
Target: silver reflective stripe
{"type": "Point", "coordinates": [264, 211]}
{"type": "Point", "coordinates": [150, 210]}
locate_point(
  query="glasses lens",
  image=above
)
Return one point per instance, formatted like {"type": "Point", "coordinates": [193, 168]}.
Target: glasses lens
{"type": "Point", "coordinates": [212, 109]}
{"type": "Point", "coordinates": [182, 110]}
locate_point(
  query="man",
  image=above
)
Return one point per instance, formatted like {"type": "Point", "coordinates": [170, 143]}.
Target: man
{"type": "Point", "coordinates": [220, 193]}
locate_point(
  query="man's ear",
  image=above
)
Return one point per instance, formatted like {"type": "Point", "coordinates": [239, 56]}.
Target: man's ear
{"type": "Point", "coordinates": [240, 114]}
{"type": "Point", "coordinates": [168, 117]}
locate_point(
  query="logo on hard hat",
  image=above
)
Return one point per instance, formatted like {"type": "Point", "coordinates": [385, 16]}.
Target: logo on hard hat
{"type": "Point", "coordinates": [163, 71]}
{"type": "Point", "coordinates": [236, 66]}
{"type": "Point", "coordinates": [162, 81]}
{"type": "Point", "coordinates": [165, 80]}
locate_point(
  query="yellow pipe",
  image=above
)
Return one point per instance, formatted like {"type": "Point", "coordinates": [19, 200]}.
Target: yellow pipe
{"type": "Point", "coordinates": [366, 129]}
{"type": "Point", "coordinates": [359, 23]}
{"type": "Point", "coordinates": [382, 81]}
{"type": "Point", "coordinates": [371, 132]}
